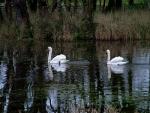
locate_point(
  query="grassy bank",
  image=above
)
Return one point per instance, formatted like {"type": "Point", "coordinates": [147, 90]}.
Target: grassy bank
{"type": "Point", "coordinates": [123, 25]}
{"type": "Point", "coordinates": [128, 25]}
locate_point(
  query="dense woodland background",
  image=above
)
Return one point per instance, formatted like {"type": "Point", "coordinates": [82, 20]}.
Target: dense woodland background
{"type": "Point", "coordinates": [28, 27]}
{"type": "Point", "coordinates": [75, 19]}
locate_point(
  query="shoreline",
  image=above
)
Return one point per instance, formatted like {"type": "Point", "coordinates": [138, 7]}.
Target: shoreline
{"type": "Point", "coordinates": [119, 25]}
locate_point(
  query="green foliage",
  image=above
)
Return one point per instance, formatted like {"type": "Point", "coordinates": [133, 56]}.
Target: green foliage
{"type": "Point", "coordinates": [49, 2]}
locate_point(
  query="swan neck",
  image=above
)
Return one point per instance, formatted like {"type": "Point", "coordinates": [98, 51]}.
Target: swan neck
{"type": "Point", "coordinates": [109, 71]}
{"type": "Point", "coordinates": [50, 72]}
{"type": "Point", "coordinates": [108, 57]}
{"type": "Point", "coordinates": [50, 55]}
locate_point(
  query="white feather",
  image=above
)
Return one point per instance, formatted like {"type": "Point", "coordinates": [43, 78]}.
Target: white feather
{"type": "Point", "coordinates": [115, 61]}
{"type": "Point", "coordinates": [59, 67]}
{"type": "Point", "coordinates": [59, 59]}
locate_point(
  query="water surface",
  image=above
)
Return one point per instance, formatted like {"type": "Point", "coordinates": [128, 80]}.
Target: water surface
{"type": "Point", "coordinates": [29, 85]}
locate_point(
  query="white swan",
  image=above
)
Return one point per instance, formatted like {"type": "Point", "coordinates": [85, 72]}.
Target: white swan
{"type": "Point", "coordinates": [60, 67]}
{"type": "Point", "coordinates": [59, 59]}
{"type": "Point", "coordinates": [115, 61]}
{"type": "Point", "coordinates": [117, 69]}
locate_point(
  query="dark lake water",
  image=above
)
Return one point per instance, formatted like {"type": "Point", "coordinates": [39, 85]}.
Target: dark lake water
{"type": "Point", "coordinates": [85, 85]}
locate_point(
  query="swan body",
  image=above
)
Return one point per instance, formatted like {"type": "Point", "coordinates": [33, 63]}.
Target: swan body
{"type": "Point", "coordinates": [59, 59]}
{"type": "Point", "coordinates": [115, 61]}
{"type": "Point", "coordinates": [117, 69]}
{"type": "Point", "coordinates": [59, 67]}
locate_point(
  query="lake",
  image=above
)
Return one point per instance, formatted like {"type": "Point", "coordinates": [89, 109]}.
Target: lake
{"type": "Point", "coordinates": [86, 84]}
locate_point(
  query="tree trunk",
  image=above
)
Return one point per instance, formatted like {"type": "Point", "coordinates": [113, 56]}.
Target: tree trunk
{"type": "Point", "coordinates": [8, 9]}
{"type": "Point", "coordinates": [21, 11]}
{"type": "Point", "coordinates": [146, 3]}
{"type": "Point", "coordinates": [75, 4]}
{"type": "Point", "coordinates": [1, 15]}
{"type": "Point", "coordinates": [104, 4]}
{"type": "Point", "coordinates": [54, 5]}
{"type": "Point", "coordinates": [89, 9]}
{"type": "Point", "coordinates": [131, 2]}
{"type": "Point", "coordinates": [111, 5]}
{"type": "Point", "coordinates": [42, 4]}
{"type": "Point", "coordinates": [32, 5]}
{"type": "Point", "coordinates": [118, 4]}
{"type": "Point", "coordinates": [94, 4]}
{"type": "Point", "coordinates": [43, 7]}
{"type": "Point", "coordinates": [100, 3]}
{"type": "Point", "coordinates": [84, 2]}
{"type": "Point", "coordinates": [69, 5]}
{"type": "Point", "coordinates": [22, 19]}
{"type": "Point", "coordinates": [114, 4]}
{"type": "Point", "coordinates": [87, 26]}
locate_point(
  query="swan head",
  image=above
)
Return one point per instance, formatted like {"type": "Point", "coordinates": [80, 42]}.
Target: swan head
{"type": "Point", "coordinates": [108, 51]}
{"type": "Point", "coordinates": [50, 48]}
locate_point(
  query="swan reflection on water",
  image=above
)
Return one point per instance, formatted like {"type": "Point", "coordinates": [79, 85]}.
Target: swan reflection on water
{"type": "Point", "coordinates": [3, 75]}
{"type": "Point", "coordinates": [51, 102]}
{"type": "Point", "coordinates": [3, 81]}
{"type": "Point", "coordinates": [63, 101]}
{"type": "Point", "coordinates": [3, 69]}
{"type": "Point", "coordinates": [68, 100]}
{"type": "Point", "coordinates": [59, 68]}
{"type": "Point", "coordinates": [30, 93]}
{"type": "Point", "coordinates": [62, 68]}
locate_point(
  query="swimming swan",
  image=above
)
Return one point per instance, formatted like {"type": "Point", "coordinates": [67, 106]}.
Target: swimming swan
{"type": "Point", "coordinates": [60, 67]}
{"type": "Point", "coordinates": [115, 61]}
{"type": "Point", "coordinates": [59, 59]}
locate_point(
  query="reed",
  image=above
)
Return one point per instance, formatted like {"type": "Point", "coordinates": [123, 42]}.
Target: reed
{"type": "Point", "coordinates": [56, 26]}
{"type": "Point", "coordinates": [7, 31]}
{"type": "Point", "coordinates": [110, 109]}
{"type": "Point", "coordinates": [128, 25]}
{"type": "Point", "coordinates": [67, 26]}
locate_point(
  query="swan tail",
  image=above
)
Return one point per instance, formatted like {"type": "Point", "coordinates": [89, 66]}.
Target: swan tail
{"type": "Point", "coordinates": [122, 63]}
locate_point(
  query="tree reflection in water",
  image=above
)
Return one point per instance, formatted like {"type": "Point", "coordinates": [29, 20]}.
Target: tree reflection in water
{"type": "Point", "coordinates": [85, 85]}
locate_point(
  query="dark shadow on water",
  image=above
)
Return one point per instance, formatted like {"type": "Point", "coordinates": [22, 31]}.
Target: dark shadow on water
{"type": "Point", "coordinates": [85, 84]}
